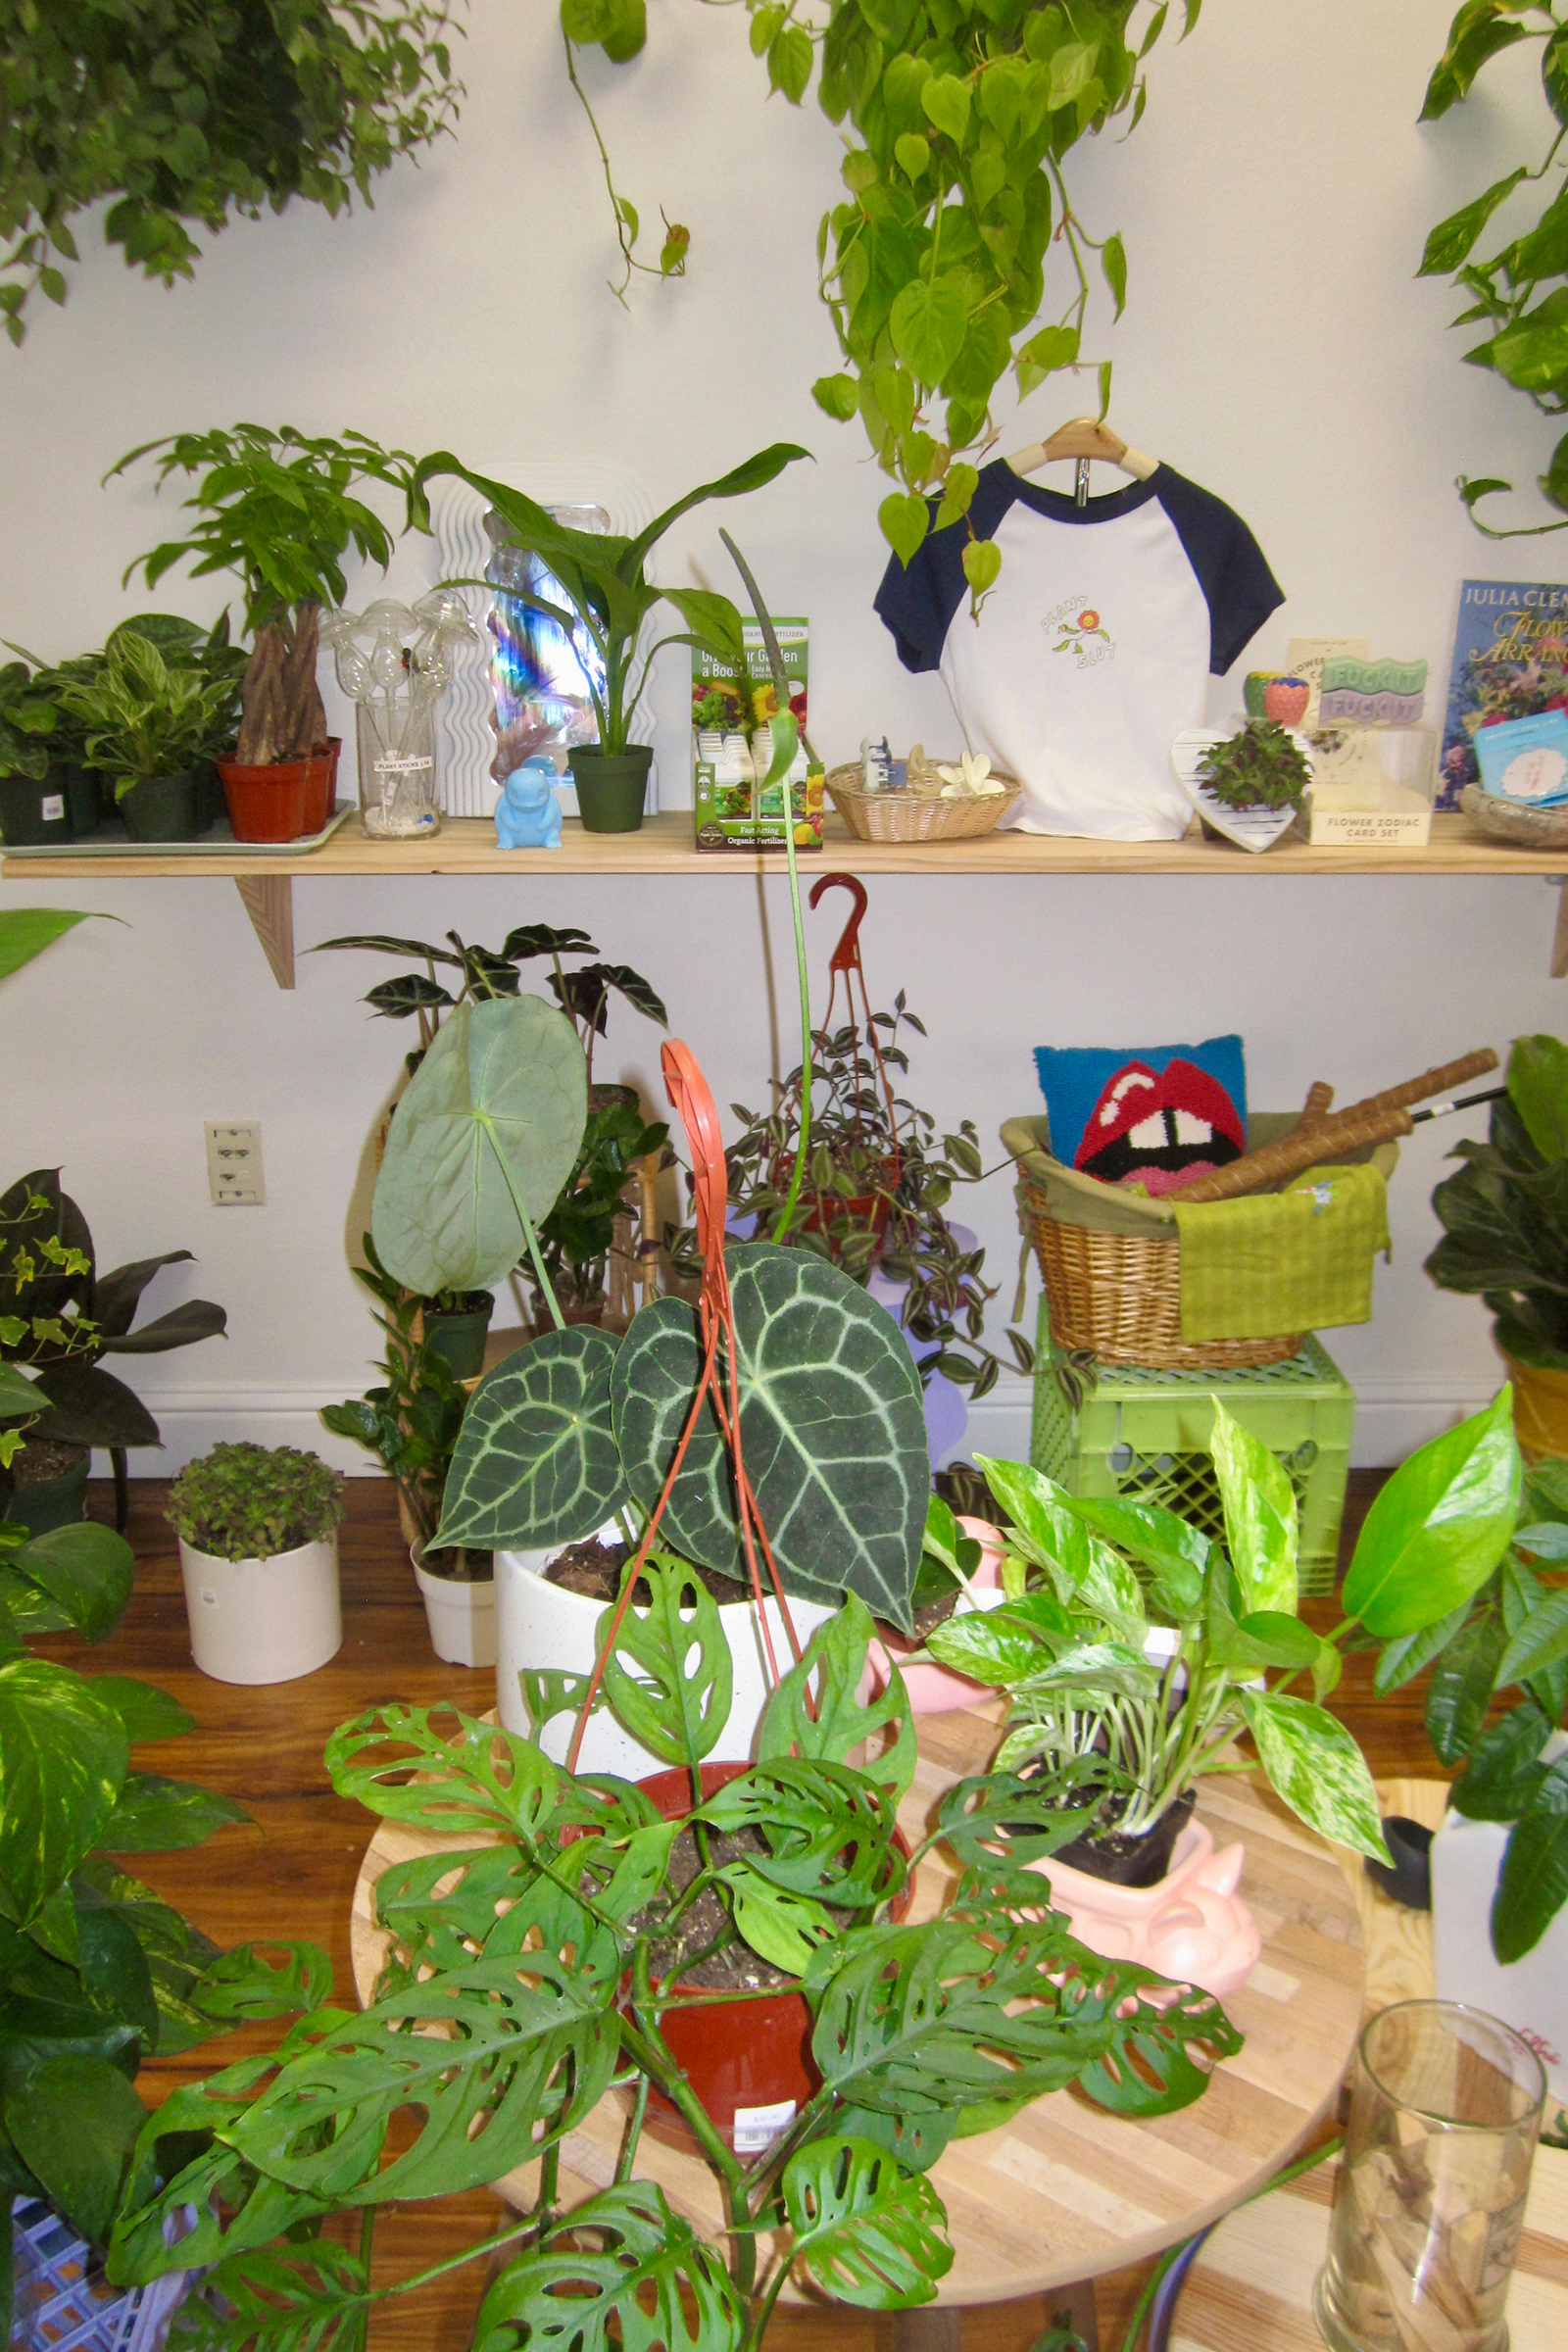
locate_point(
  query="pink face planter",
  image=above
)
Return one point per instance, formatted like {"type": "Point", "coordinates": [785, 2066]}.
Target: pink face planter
{"type": "Point", "coordinates": [936, 1690]}
{"type": "Point", "coordinates": [1190, 1925]}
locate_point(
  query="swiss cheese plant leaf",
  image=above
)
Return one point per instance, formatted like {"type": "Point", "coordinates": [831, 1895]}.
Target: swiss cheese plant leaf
{"type": "Point", "coordinates": [1533, 1882]}
{"type": "Point", "coordinates": [623, 2273]}
{"type": "Point", "coordinates": [1438, 1527]}
{"type": "Point", "coordinates": [1315, 1765]}
{"type": "Point", "coordinates": [63, 1755]}
{"type": "Point", "coordinates": [248, 1982]}
{"type": "Point", "coordinates": [74, 2121]}
{"type": "Point", "coordinates": [818, 1709]}
{"type": "Point", "coordinates": [996, 1807]}
{"type": "Point", "coordinates": [827, 1831]}
{"type": "Point", "coordinates": [784, 1928]}
{"type": "Point", "coordinates": [86, 1568]}
{"type": "Point", "coordinates": [832, 1429]}
{"type": "Point", "coordinates": [669, 1676]}
{"type": "Point", "coordinates": [481, 2069]}
{"type": "Point", "coordinates": [536, 1461]}
{"type": "Point", "coordinates": [493, 1117]}
{"type": "Point", "coordinates": [299, 2298]}
{"type": "Point", "coordinates": [1149, 2067]}
{"type": "Point", "coordinates": [866, 2232]}
{"type": "Point", "coordinates": [437, 1769]}
{"type": "Point", "coordinates": [1260, 1516]}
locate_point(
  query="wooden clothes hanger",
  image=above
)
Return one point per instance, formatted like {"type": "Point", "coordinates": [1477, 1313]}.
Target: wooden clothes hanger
{"type": "Point", "coordinates": [1084, 438]}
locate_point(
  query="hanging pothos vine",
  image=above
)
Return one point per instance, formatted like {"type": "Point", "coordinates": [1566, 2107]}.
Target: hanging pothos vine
{"type": "Point", "coordinates": [958, 116]}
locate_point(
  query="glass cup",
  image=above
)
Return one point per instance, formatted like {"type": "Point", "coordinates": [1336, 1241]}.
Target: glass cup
{"type": "Point", "coordinates": [1431, 2193]}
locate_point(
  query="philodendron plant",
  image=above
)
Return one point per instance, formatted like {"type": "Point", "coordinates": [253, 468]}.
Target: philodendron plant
{"type": "Point", "coordinates": [540, 1967]}
{"type": "Point", "coordinates": [1134, 1650]}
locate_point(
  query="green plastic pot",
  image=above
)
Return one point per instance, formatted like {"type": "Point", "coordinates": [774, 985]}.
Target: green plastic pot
{"type": "Point", "coordinates": [50, 1502]}
{"type": "Point", "coordinates": [612, 786]}
{"type": "Point", "coordinates": [162, 807]}
{"type": "Point", "coordinates": [459, 1337]}
{"type": "Point", "coordinates": [34, 809]}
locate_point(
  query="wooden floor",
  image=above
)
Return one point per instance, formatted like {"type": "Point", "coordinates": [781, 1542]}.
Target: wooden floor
{"type": "Point", "coordinates": [293, 1874]}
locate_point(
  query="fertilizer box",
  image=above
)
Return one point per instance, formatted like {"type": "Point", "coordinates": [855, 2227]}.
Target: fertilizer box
{"type": "Point", "coordinates": [731, 749]}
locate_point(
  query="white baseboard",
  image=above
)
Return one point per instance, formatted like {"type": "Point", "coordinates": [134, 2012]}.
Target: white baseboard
{"type": "Point", "coordinates": [1392, 1418]}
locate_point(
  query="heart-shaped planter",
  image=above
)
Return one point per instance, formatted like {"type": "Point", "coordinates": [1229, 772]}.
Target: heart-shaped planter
{"type": "Point", "coordinates": [1252, 829]}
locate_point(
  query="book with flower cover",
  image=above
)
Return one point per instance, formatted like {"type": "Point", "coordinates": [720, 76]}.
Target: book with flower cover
{"type": "Point", "coordinates": [1511, 660]}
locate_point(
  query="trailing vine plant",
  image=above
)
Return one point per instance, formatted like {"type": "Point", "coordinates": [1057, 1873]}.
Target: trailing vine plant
{"type": "Point", "coordinates": [186, 111]}
{"type": "Point", "coordinates": [1522, 290]}
{"type": "Point", "coordinates": [958, 116]}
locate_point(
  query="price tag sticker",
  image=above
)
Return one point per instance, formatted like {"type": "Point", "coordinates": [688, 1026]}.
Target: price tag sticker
{"type": "Point", "coordinates": [757, 2128]}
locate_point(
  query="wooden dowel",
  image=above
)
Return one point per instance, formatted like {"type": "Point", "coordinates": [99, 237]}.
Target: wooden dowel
{"type": "Point", "coordinates": [1315, 1110]}
{"type": "Point", "coordinates": [1276, 1161]}
{"type": "Point", "coordinates": [1431, 1082]}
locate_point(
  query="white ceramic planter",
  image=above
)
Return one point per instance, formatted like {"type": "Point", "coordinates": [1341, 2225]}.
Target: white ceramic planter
{"type": "Point", "coordinates": [263, 1621]}
{"type": "Point", "coordinates": [1529, 1994]}
{"type": "Point", "coordinates": [461, 1616]}
{"type": "Point", "coordinates": [539, 1624]}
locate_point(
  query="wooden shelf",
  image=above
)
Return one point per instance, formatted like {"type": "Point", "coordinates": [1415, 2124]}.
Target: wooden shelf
{"type": "Point", "coordinates": [664, 846]}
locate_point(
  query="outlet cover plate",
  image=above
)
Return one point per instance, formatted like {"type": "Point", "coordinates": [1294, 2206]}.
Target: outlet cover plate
{"type": "Point", "coordinates": [234, 1163]}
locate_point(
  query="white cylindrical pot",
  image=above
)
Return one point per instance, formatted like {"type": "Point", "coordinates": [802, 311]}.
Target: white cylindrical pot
{"type": "Point", "coordinates": [461, 1613]}
{"type": "Point", "coordinates": [539, 1624]}
{"type": "Point", "coordinates": [263, 1621]}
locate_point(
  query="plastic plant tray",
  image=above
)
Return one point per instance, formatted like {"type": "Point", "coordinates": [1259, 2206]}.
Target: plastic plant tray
{"type": "Point", "coordinates": [113, 841]}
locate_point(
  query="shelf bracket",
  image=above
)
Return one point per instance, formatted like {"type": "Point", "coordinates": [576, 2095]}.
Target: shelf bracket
{"type": "Point", "coordinates": [1558, 968]}
{"type": "Point", "coordinates": [268, 901]}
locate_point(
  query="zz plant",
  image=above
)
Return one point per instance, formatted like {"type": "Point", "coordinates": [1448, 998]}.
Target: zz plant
{"type": "Point", "coordinates": [527, 1976]}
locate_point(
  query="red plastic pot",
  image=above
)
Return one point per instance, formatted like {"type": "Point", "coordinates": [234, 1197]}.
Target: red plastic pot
{"type": "Point", "coordinates": [283, 800]}
{"type": "Point", "coordinates": [738, 2056]}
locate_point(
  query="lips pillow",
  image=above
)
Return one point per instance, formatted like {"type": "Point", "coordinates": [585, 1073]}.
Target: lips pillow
{"type": "Point", "coordinates": [1152, 1116]}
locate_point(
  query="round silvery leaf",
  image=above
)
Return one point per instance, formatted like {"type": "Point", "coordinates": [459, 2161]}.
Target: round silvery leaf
{"type": "Point", "coordinates": [505, 1080]}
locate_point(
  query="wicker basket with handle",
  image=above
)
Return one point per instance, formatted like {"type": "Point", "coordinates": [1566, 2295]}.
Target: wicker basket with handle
{"type": "Point", "coordinates": [1110, 1261]}
{"type": "Point", "coordinates": [914, 815]}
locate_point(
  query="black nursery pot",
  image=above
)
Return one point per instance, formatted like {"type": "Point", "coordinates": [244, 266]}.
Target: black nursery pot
{"type": "Point", "coordinates": [34, 810]}
{"type": "Point", "coordinates": [1141, 1861]}
{"type": "Point", "coordinates": [460, 1335]}
{"type": "Point", "coordinates": [162, 807]}
{"type": "Point", "coordinates": [84, 797]}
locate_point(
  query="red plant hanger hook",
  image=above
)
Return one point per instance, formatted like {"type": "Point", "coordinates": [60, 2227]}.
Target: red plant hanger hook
{"type": "Point", "coordinates": [846, 959]}
{"type": "Point", "coordinates": [845, 956]}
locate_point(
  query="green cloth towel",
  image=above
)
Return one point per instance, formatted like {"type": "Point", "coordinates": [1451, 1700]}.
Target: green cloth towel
{"type": "Point", "coordinates": [1276, 1262]}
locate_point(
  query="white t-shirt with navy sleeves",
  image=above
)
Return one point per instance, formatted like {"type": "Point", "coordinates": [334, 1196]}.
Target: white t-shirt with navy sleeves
{"type": "Point", "coordinates": [1090, 654]}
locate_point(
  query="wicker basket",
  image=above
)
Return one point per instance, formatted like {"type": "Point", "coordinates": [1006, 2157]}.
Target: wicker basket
{"type": "Point", "coordinates": [913, 815]}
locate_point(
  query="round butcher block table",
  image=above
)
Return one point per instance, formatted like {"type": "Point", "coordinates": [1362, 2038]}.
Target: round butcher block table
{"type": "Point", "coordinates": [1065, 2191]}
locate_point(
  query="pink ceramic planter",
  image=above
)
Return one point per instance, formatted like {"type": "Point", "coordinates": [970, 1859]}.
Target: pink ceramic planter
{"type": "Point", "coordinates": [1191, 1925]}
{"type": "Point", "coordinates": [937, 1689]}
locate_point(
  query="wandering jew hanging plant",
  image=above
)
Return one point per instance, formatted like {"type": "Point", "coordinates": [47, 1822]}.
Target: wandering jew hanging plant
{"type": "Point", "coordinates": [958, 116]}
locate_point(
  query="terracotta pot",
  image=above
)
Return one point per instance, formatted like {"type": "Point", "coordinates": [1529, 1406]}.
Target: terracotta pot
{"type": "Point", "coordinates": [1539, 1411]}
{"type": "Point", "coordinates": [749, 2062]}
{"type": "Point", "coordinates": [937, 1689]}
{"type": "Point", "coordinates": [282, 800]}
{"type": "Point", "coordinates": [1190, 1925]}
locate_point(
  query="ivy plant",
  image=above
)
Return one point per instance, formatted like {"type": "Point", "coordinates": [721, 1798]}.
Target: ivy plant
{"type": "Point", "coordinates": [958, 116]}
{"type": "Point", "coordinates": [179, 114]}
{"type": "Point", "coordinates": [1520, 290]}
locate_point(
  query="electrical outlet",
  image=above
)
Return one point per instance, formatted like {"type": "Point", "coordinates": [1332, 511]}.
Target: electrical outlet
{"type": "Point", "coordinates": [234, 1163]}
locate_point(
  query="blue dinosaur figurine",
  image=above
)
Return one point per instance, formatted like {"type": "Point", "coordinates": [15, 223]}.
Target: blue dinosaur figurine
{"type": "Point", "coordinates": [528, 813]}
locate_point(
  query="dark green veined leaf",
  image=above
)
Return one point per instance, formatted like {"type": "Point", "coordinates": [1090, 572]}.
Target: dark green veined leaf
{"type": "Point", "coordinates": [1438, 1527]}
{"type": "Point", "coordinates": [246, 1983]}
{"type": "Point", "coordinates": [1260, 1517]}
{"type": "Point", "coordinates": [784, 1928]}
{"type": "Point", "coordinates": [669, 1676]}
{"type": "Point", "coordinates": [307, 2298]}
{"type": "Point", "coordinates": [529, 2047]}
{"type": "Point", "coordinates": [918, 2140]}
{"type": "Point", "coordinates": [1533, 1882]}
{"type": "Point", "coordinates": [540, 939]}
{"type": "Point", "coordinates": [75, 2122]}
{"type": "Point", "coordinates": [380, 944]}
{"type": "Point", "coordinates": [1503, 1770]}
{"type": "Point", "coordinates": [192, 1320]}
{"type": "Point", "coordinates": [146, 1712]}
{"type": "Point", "coordinates": [536, 1461]}
{"type": "Point", "coordinates": [235, 2206]}
{"type": "Point", "coordinates": [154, 1815]}
{"type": "Point", "coordinates": [1315, 1765]}
{"type": "Point", "coordinates": [865, 2233]}
{"type": "Point", "coordinates": [1450, 243]}
{"type": "Point", "coordinates": [832, 1428]}
{"type": "Point", "coordinates": [649, 2284]}
{"type": "Point", "coordinates": [87, 1569]}
{"type": "Point", "coordinates": [1267, 1638]}
{"type": "Point", "coordinates": [399, 999]}
{"type": "Point", "coordinates": [492, 1116]}
{"type": "Point", "coordinates": [63, 1756]}
{"type": "Point", "coordinates": [829, 1829]}
{"type": "Point", "coordinates": [753, 473]}
{"type": "Point", "coordinates": [817, 1709]}
{"type": "Point", "coordinates": [397, 1762]}
{"type": "Point", "coordinates": [1402, 1659]}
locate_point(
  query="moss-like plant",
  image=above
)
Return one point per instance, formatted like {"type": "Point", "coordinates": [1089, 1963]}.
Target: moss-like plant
{"type": "Point", "coordinates": [250, 1502]}
{"type": "Point", "coordinates": [1260, 768]}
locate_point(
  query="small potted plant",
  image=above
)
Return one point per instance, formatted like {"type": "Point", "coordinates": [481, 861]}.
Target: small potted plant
{"type": "Point", "coordinates": [1248, 787]}
{"type": "Point", "coordinates": [30, 810]}
{"type": "Point", "coordinates": [151, 717]}
{"type": "Point", "coordinates": [606, 598]}
{"type": "Point", "coordinates": [1134, 1650]}
{"type": "Point", "coordinates": [258, 1551]}
{"type": "Point", "coordinates": [281, 511]}
{"type": "Point", "coordinates": [1504, 1218]}
{"type": "Point", "coordinates": [411, 1424]}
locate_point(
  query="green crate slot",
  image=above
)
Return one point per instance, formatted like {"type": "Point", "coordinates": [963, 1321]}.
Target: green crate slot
{"type": "Point", "coordinates": [1144, 1432]}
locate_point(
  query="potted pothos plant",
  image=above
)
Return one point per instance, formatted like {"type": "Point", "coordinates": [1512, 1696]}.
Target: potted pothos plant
{"type": "Point", "coordinates": [27, 721]}
{"type": "Point", "coordinates": [1134, 1650]}
{"type": "Point", "coordinates": [600, 593]}
{"type": "Point", "coordinates": [281, 511]}
{"type": "Point", "coordinates": [60, 1315]}
{"type": "Point", "coordinates": [258, 1556]}
{"type": "Point", "coordinates": [152, 715]}
{"type": "Point", "coordinates": [600, 1932]}
{"type": "Point", "coordinates": [1504, 1218]}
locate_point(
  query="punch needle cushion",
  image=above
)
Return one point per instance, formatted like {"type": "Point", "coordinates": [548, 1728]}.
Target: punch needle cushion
{"type": "Point", "coordinates": [1154, 1116]}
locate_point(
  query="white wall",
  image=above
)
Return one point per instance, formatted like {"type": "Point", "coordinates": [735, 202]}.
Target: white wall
{"type": "Point", "coordinates": [1276, 348]}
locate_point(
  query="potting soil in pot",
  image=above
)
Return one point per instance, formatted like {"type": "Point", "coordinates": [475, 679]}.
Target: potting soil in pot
{"type": "Point", "coordinates": [1122, 1861]}
{"type": "Point", "coordinates": [595, 1569]}
{"type": "Point", "coordinates": [685, 1956]}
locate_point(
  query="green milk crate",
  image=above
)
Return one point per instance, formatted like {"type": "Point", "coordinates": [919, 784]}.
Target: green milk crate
{"type": "Point", "coordinates": [1143, 1433]}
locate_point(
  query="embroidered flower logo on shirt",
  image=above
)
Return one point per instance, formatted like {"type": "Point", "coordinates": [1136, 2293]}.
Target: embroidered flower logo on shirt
{"type": "Point", "coordinates": [1078, 630]}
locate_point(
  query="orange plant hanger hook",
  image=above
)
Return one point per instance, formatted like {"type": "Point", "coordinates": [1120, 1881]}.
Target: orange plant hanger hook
{"type": "Point", "coordinates": [846, 959]}
{"type": "Point", "coordinates": [693, 1103]}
